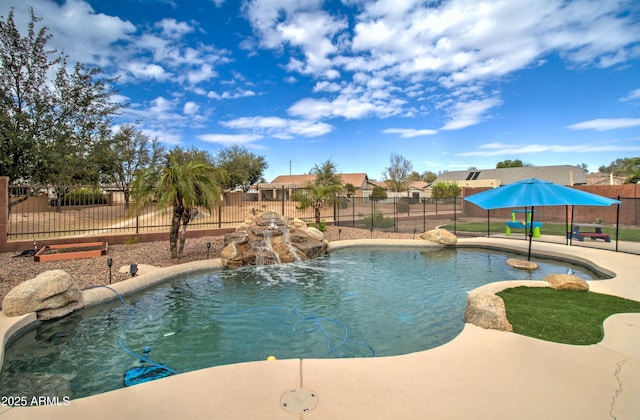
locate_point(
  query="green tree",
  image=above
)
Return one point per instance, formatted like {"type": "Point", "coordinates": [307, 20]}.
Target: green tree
{"type": "Point", "coordinates": [396, 175]}
{"type": "Point", "coordinates": [627, 167]}
{"type": "Point", "coordinates": [50, 117]}
{"type": "Point", "coordinates": [429, 176]}
{"type": "Point", "coordinates": [415, 176]}
{"type": "Point", "coordinates": [378, 193]}
{"type": "Point", "coordinates": [350, 189]}
{"type": "Point", "coordinates": [445, 190]}
{"type": "Point", "coordinates": [183, 183]}
{"type": "Point", "coordinates": [509, 164]}
{"type": "Point", "coordinates": [243, 168]}
{"type": "Point", "coordinates": [24, 96]}
{"type": "Point", "coordinates": [128, 151]}
{"type": "Point", "coordinates": [426, 176]}
{"type": "Point", "coordinates": [326, 174]}
{"type": "Point", "coordinates": [317, 196]}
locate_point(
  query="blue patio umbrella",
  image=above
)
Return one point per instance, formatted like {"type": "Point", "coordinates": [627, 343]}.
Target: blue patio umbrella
{"type": "Point", "coordinates": [536, 192]}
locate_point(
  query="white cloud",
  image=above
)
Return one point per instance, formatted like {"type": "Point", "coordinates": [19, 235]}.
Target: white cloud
{"type": "Point", "coordinates": [164, 136]}
{"type": "Point", "coordinates": [279, 127]}
{"type": "Point", "coordinates": [200, 74]}
{"type": "Point", "coordinates": [634, 95]}
{"type": "Point", "coordinates": [410, 132]}
{"type": "Point", "coordinates": [604, 124]}
{"type": "Point", "coordinates": [171, 28]}
{"type": "Point", "coordinates": [457, 44]}
{"type": "Point", "coordinates": [465, 114]}
{"type": "Point", "coordinates": [140, 70]}
{"type": "Point", "coordinates": [238, 93]}
{"type": "Point", "coordinates": [161, 105]}
{"type": "Point", "coordinates": [190, 108]}
{"type": "Point", "coordinates": [498, 149]}
{"type": "Point", "coordinates": [230, 139]}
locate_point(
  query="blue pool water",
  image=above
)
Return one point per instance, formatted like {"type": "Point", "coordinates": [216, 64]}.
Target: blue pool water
{"type": "Point", "coordinates": [350, 303]}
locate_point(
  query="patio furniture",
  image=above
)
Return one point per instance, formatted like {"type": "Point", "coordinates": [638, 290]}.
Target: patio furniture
{"type": "Point", "coordinates": [578, 232]}
{"type": "Point", "coordinates": [514, 224]}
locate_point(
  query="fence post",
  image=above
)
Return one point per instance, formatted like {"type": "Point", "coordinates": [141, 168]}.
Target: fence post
{"type": "Point", "coordinates": [455, 215]}
{"type": "Point", "coordinates": [617, 222]}
{"type": "Point", "coordinates": [353, 211]}
{"type": "Point", "coordinates": [372, 210]}
{"type": "Point", "coordinates": [282, 203]}
{"type": "Point", "coordinates": [4, 210]}
{"type": "Point", "coordinates": [335, 205]}
{"type": "Point", "coordinates": [396, 214]}
{"type": "Point", "coordinates": [424, 214]}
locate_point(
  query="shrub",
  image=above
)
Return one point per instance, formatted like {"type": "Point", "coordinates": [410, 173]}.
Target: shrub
{"type": "Point", "coordinates": [131, 240]}
{"type": "Point", "coordinates": [402, 207]}
{"type": "Point", "coordinates": [379, 220]}
{"type": "Point", "coordinates": [322, 227]}
{"type": "Point", "coordinates": [82, 197]}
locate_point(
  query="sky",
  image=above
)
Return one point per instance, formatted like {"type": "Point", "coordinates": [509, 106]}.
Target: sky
{"type": "Point", "coordinates": [448, 85]}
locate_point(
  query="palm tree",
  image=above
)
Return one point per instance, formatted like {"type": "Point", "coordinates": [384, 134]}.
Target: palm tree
{"type": "Point", "coordinates": [183, 185]}
{"type": "Point", "coordinates": [317, 196]}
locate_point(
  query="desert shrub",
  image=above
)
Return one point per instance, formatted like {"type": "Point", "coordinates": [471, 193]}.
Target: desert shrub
{"type": "Point", "coordinates": [402, 207]}
{"type": "Point", "coordinates": [379, 220]}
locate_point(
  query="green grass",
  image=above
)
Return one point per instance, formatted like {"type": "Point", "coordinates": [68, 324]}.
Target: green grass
{"type": "Point", "coordinates": [562, 316]}
{"type": "Point", "coordinates": [557, 229]}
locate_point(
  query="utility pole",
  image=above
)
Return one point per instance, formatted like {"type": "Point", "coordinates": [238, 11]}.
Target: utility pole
{"type": "Point", "coordinates": [289, 168]}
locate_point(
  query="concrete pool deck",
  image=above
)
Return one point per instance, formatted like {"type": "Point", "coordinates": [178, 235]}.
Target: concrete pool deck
{"type": "Point", "coordinates": [481, 374]}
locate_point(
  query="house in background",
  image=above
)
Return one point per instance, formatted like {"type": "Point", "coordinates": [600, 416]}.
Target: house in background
{"type": "Point", "coordinates": [284, 185]}
{"type": "Point", "coordinates": [417, 190]}
{"type": "Point", "coordinates": [600, 178]}
{"type": "Point", "coordinates": [567, 175]}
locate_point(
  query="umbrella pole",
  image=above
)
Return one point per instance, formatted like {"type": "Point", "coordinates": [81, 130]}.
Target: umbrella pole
{"type": "Point", "coordinates": [566, 224]}
{"type": "Point", "coordinates": [488, 223]}
{"type": "Point", "coordinates": [571, 227]}
{"type": "Point", "coordinates": [530, 234]}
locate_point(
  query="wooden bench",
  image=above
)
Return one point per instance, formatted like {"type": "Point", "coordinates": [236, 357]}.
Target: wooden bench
{"type": "Point", "coordinates": [596, 234]}
{"type": "Point", "coordinates": [593, 235]}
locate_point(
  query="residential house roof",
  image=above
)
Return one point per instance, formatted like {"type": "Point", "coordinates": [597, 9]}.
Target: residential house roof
{"type": "Point", "coordinates": [558, 174]}
{"type": "Point", "coordinates": [359, 180]}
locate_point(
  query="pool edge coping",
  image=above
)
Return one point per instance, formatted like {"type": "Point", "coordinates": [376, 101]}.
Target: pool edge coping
{"type": "Point", "coordinates": [9, 326]}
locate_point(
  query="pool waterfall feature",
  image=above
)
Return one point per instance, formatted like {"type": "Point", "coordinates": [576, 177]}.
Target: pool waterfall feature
{"type": "Point", "coordinates": [269, 238]}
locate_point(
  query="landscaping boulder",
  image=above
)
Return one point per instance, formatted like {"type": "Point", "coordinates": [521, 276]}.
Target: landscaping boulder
{"type": "Point", "coordinates": [487, 310]}
{"type": "Point", "coordinates": [440, 236]}
{"type": "Point", "coordinates": [52, 294]}
{"type": "Point", "coordinates": [566, 282]}
{"type": "Point", "coordinates": [522, 264]}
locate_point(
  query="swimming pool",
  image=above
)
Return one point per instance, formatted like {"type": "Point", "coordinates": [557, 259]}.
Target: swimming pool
{"type": "Point", "coordinates": [350, 303]}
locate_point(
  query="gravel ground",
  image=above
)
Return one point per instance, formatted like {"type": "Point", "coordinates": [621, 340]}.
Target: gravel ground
{"type": "Point", "coordinates": [90, 272]}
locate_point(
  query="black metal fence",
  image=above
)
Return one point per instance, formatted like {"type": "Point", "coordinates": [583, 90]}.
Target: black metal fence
{"type": "Point", "coordinates": [396, 214]}
{"type": "Point", "coordinates": [89, 211]}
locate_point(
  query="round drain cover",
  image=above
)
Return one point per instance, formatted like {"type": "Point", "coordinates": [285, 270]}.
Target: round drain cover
{"type": "Point", "coordinates": [299, 400]}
